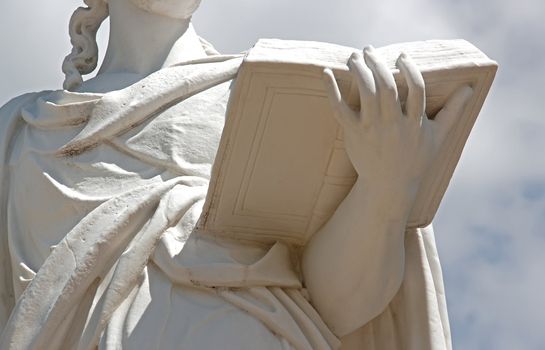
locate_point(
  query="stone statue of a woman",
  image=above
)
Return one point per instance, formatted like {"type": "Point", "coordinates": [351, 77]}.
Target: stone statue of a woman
{"type": "Point", "coordinates": [102, 184]}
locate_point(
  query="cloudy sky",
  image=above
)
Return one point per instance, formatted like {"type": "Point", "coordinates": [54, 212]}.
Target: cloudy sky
{"type": "Point", "coordinates": [491, 225]}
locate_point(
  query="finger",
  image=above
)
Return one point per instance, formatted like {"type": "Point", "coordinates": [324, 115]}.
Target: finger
{"type": "Point", "coordinates": [450, 113]}
{"type": "Point", "coordinates": [366, 84]}
{"type": "Point", "coordinates": [415, 106]}
{"type": "Point", "coordinates": [343, 113]}
{"type": "Point", "coordinates": [385, 83]}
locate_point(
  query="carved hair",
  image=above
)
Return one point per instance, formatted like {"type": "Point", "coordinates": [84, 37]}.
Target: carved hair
{"type": "Point", "coordinates": [83, 28]}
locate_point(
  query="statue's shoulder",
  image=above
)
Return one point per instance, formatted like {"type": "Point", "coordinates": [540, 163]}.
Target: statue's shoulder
{"type": "Point", "coordinates": [10, 113]}
{"type": "Point", "coordinates": [15, 104]}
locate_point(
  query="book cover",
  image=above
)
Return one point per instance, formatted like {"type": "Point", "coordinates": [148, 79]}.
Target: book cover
{"type": "Point", "coordinates": [281, 168]}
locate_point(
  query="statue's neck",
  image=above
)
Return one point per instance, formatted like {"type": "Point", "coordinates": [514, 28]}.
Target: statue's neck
{"type": "Point", "coordinates": [141, 43]}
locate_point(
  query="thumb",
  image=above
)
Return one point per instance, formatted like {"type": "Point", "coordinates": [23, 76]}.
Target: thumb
{"type": "Point", "coordinates": [343, 113]}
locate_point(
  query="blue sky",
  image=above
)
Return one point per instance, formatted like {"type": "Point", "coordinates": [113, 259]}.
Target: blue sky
{"type": "Point", "coordinates": [491, 224]}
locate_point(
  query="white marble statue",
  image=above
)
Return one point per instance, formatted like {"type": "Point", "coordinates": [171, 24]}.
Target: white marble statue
{"type": "Point", "coordinates": [97, 242]}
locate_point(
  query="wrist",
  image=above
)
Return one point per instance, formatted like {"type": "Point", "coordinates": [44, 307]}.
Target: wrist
{"type": "Point", "coordinates": [395, 197]}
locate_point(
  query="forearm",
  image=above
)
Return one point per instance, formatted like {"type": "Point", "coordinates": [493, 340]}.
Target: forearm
{"type": "Point", "coordinates": [354, 265]}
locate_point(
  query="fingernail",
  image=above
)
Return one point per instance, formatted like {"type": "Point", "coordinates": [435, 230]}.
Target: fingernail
{"type": "Point", "coordinates": [403, 55]}
{"type": "Point", "coordinates": [369, 48]}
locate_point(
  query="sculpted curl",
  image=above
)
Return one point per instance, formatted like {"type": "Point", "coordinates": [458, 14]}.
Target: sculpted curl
{"type": "Point", "coordinates": [83, 28]}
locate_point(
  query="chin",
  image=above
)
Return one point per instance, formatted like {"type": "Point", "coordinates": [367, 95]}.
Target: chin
{"type": "Point", "coordinates": [179, 9]}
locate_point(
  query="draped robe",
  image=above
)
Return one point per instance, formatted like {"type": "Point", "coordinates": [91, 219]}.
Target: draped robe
{"type": "Point", "coordinates": [100, 194]}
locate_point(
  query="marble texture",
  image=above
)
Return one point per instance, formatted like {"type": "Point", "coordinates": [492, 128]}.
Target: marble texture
{"type": "Point", "coordinates": [102, 185]}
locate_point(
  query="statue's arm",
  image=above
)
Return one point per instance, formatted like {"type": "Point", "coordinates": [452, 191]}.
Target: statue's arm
{"type": "Point", "coordinates": [353, 266]}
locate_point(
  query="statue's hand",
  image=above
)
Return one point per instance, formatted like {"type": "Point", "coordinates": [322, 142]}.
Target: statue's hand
{"type": "Point", "coordinates": [389, 147]}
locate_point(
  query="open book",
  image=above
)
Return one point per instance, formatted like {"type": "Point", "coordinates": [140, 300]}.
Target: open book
{"type": "Point", "coordinates": [281, 169]}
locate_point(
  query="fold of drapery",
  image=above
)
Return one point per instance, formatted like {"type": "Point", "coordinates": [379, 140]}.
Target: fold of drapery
{"type": "Point", "coordinates": [9, 125]}
{"type": "Point", "coordinates": [416, 318]}
{"type": "Point", "coordinates": [88, 251]}
{"type": "Point", "coordinates": [92, 247]}
{"type": "Point", "coordinates": [119, 110]}
{"type": "Point", "coordinates": [273, 269]}
{"type": "Point", "coordinates": [285, 315]}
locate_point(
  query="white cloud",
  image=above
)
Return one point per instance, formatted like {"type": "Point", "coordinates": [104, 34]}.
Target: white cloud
{"type": "Point", "coordinates": [491, 226]}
